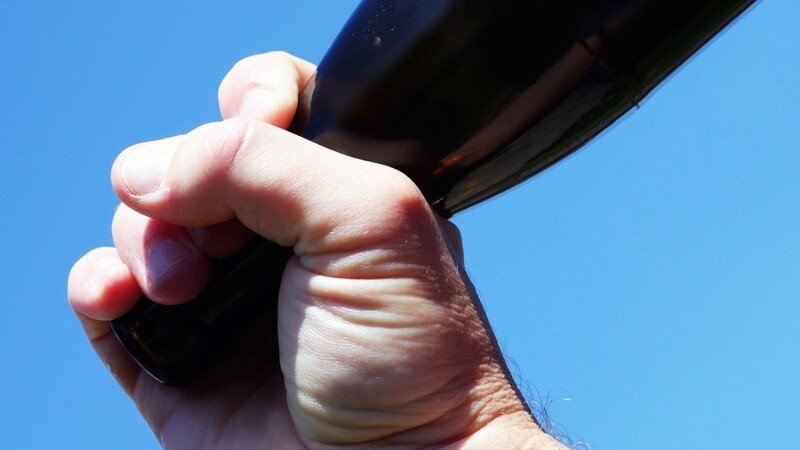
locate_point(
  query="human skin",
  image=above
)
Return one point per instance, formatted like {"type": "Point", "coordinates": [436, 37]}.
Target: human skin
{"type": "Point", "coordinates": [381, 340]}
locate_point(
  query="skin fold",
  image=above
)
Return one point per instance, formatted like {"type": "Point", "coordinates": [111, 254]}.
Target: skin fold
{"type": "Point", "coordinates": [379, 339]}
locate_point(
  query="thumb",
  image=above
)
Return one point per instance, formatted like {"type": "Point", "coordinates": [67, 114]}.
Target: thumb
{"type": "Point", "coordinates": [264, 87]}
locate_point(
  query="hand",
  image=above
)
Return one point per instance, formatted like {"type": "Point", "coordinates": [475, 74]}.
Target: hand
{"type": "Point", "coordinates": [380, 338]}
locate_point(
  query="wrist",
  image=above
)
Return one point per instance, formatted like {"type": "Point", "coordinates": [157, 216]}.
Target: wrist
{"type": "Point", "coordinates": [501, 419]}
{"type": "Point", "coordinates": [515, 431]}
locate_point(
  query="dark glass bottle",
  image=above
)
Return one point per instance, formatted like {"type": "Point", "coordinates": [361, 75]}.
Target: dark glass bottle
{"type": "Point", "coordinates": [471, 97]}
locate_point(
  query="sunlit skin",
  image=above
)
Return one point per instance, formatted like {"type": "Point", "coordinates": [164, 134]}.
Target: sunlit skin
{"type": "Point", "coordinates": [381, 341]}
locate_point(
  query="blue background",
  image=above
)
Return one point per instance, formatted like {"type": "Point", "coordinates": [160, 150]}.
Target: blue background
{"type": "Point", "coordinates": [646, 290]}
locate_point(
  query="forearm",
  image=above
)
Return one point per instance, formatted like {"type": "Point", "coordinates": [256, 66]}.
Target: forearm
{"type": "Point", "coordinates": [415, 371]}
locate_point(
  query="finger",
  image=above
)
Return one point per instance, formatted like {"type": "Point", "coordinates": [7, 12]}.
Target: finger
{"type": "Point", "coordinates": [287, 189]}
{"type": "Point", "coordinates": [101, 288]}
{"type": "Point", "coordinates": [264, 87]}
{"type": "Point", "coordinates": [161, 257]}
{"type": "Point", "coordinates": [222, 239]}
{"type": "Point", "coordinates": [453, 235]}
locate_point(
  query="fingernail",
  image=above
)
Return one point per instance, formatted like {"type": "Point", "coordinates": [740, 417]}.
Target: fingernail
{"type": "Point", "coordinates": [143, 169]}
{"type": "Point", "coordinates": [254, 102]}
{"type": "Point", "coordinates": [163, 255]}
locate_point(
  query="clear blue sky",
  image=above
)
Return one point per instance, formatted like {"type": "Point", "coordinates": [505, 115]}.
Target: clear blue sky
{"type": "Point", "coordinates": [647, 289]}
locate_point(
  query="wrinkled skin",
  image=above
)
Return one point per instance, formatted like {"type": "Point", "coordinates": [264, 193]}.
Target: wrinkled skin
{"type": "Point", "coordinates": [381, 341]}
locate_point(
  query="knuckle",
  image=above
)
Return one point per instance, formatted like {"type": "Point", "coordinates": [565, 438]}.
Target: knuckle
{"type": "Point", "coordinates": [399, 197]}
{"type": "Point", "coordinates": [245, 74]}
{"type": "Point", "coordinates": [279, 56]}
{"type": "Point", "coordinates": [256, 63]}
{"type": "Point", "coordinates": [399, 188]}
{"type": "Point", "coordinates": [227, 143]}
{"type": "Point", "coordinates": [205, 161]}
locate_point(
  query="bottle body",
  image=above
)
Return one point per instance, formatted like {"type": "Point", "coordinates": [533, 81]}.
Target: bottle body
{"type": "Point", "coordinates": [477, 96]}
{"type": "Point", "coordinates": [466, 97]}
